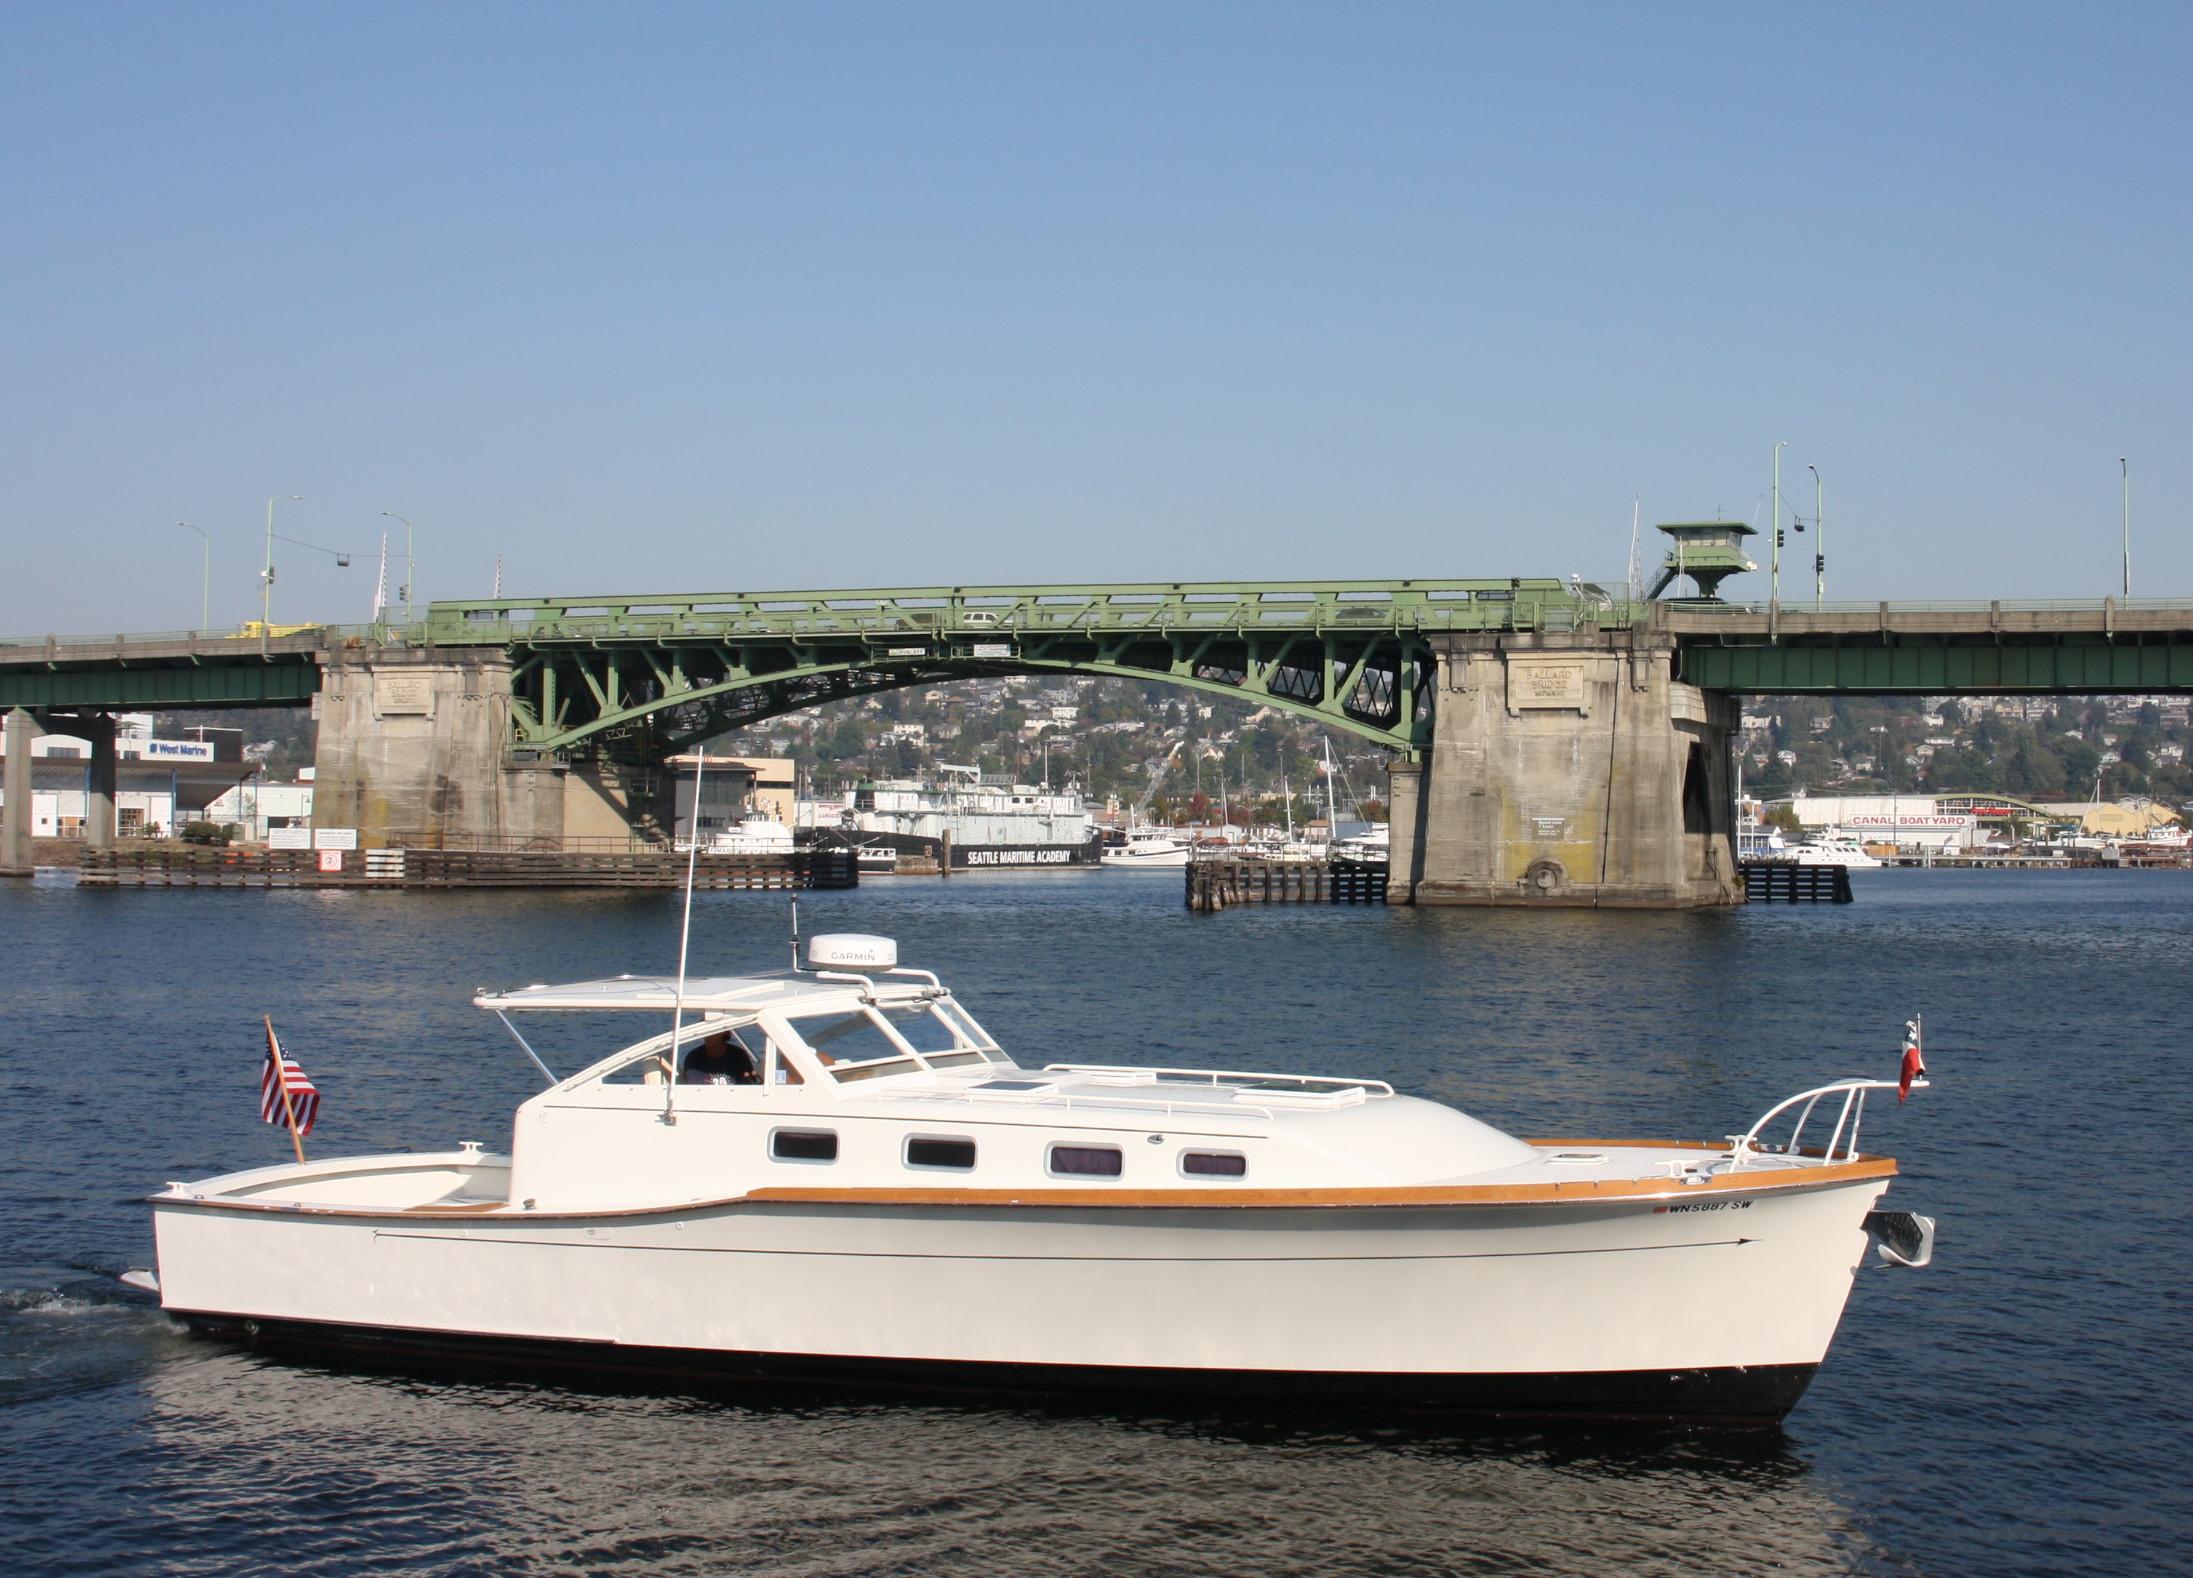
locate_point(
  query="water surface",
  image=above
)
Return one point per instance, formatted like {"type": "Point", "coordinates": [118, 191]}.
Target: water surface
{"type": "Point", "coordinates": [2023, 1406]}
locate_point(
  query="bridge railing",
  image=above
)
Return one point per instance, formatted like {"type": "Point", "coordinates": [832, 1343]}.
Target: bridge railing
{"type": "Point", "coordinates": [971, 613]}
{"type": "Point", "coordinates": [2022, 605]}
{"type": "Point", "coordinates": [228, 638]}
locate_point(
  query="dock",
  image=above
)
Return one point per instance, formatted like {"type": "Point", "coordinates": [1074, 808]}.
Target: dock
{"type": "Point", "coordinates": [1215, 885]}
{"type": "Point", "coordinates": [399, 869]}
{"type": "Point", "coordinates": [1786, 882]}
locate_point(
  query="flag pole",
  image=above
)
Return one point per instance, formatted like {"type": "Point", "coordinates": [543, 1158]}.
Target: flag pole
{"type": "Point", "coordinates": [281, 1082]}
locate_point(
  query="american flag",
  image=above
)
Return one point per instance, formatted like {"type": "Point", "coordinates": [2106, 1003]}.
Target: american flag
{"type": "Point", "coordinates": [304, 1097]}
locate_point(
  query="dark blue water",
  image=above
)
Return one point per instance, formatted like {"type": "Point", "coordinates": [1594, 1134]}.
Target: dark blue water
{"type": "Point", "coordinates": [2021, 1407]}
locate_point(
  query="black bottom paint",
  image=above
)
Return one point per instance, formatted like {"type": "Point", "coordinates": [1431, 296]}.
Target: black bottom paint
{"type": "Point", "coordinates": [1753, 1397]}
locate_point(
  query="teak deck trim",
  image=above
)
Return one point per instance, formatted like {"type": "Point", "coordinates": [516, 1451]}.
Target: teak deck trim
{"type": "Point", "coordinates": [1214, 1198]}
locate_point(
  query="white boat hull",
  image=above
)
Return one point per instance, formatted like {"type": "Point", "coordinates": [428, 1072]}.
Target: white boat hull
{"type": "Point", "coordinates": [1686, 1305]}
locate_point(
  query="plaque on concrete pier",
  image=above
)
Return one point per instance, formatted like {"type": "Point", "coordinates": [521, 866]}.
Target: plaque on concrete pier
{"type": "Point", "coordinates": [1540, 682]}
{"type": "Point", "coordinates": [402, 694]}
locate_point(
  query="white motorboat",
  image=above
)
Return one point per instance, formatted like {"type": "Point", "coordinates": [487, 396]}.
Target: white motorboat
{"type": "Point", "coordinates": [752, 834]}
{"type": "Point", "coordinates": [1830, 849]}
{"type": "Point", "coordinates": [1372, 848]}
{"type": "Point", "coordinates": [877, 1193]}
{"type": "Point", "coordinates": [1148, 848]}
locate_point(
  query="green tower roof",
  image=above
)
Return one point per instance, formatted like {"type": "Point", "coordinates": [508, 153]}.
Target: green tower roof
{"type": "Point", "coordinates": [1709, 552]}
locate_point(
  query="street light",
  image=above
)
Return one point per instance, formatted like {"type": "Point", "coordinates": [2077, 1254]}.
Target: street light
{"type": "Point", "coordinates": [205, 590]}
{"type": "Point", "coordinates": [266, 576]}
{"type": "Point", "coordinates": [1774, 578]}
{"type": "Point", "coordinates": [2125, 468]}
{"type": "Point", "coordinates": [411, 565]}
{"type": "Point", "coordinates": [1819, 543]}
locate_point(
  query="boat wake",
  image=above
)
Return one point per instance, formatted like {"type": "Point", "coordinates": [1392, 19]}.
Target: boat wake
{"type": "Point", "coordinates": [77, 1334]}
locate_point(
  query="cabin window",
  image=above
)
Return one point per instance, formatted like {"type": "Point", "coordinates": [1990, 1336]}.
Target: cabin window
{"type": "Point", "coordinates": [855, 1046]}
{"type": "Point", "coordinates": [1214, 1164]}
{"type": "Point", "coordinates": [963, 1023]}
{"type": "Point", "coordinates": [804, 1145]}
{"type": "Point", "coordinates": [924, 1150]}
{"type": "Point", "coordinates": [1085, 1161]}
{"type": "Point", "coordinates": [939, 1040]}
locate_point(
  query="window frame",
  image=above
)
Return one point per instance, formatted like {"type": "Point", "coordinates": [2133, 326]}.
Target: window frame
{"type": "Point", "coordinates": [780, 1131]}
{"type": "Point", "coordinates": [1232, 1156]}
{"type": "Point", "coordinates": [906, 1153]}
{"type": "Point", "coordinates": [1050, 1159]}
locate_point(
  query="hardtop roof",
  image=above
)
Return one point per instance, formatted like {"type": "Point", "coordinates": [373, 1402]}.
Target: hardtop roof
{"type": "Point", "coordinates": [720, 993]}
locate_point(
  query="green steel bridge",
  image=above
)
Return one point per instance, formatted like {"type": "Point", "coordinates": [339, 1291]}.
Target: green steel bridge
{"type": "Point", "coordinates": [636, 676]}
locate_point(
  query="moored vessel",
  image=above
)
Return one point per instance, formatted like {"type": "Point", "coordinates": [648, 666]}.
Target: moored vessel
{"type": "Point", "coordinates": [1148, 848]}
{"type": "Point", "coordinates": [964, 821]}
{"type": "Point", "coordinates": [837, 1174]}
{"type": "Point", "coordinates": [1832, 849]}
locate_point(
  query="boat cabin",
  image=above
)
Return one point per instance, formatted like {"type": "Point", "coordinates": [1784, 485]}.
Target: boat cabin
{"type": "Point", "coordinates": [879, 1076]}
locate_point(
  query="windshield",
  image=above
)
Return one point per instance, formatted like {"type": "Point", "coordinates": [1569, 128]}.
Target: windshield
{"type": "Point", "coordinates": [900, 1038]}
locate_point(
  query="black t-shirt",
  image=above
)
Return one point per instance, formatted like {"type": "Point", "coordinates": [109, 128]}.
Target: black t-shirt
{"type": "Point", "coordinates": [729, 1064]}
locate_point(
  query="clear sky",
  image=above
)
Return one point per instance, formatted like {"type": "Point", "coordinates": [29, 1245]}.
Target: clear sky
{"type": "Point", "coordinates": [657, 297]}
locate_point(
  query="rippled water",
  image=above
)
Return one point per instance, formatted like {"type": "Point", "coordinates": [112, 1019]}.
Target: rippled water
{"type": "Point", "coordinates": [2023, 1406]}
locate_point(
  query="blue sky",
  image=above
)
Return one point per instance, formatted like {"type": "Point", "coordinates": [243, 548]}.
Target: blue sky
{"type": "Point", "coordinates": [731, 297]}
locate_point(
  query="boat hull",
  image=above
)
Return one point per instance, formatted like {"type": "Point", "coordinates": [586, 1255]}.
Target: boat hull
{"type": "Point", "coordinates": [978, 857]}
{"type": "Point", "coordinates": [1683, 1308]}
{"type": "Point", "coordinates": [1741, 1396]}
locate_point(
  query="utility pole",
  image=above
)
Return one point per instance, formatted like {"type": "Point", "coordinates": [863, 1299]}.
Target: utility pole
{"type": "Point", "coordinates": [2125, 467]}
{"type": "Point", "coordinates": [1774, 578]}
{"type": "Point", "coordinates": [266, 576]}
{"type": "Point", "coordinates": [1819, 543]}
{"type": "Point", "coordinates": [411, 564]}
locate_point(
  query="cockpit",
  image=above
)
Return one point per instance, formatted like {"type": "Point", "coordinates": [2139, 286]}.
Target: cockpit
{"type": "Point", "coordinates": [816, 1026]}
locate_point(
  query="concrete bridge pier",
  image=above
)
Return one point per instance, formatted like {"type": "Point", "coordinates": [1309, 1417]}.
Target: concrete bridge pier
{"type": "Point", "coordinates": [16, 858]}
{"type": "Point", "coordinates": [1567, 770]}
{"type": "Point", "coordinates": [97, 729]}
{"type": "Point", "coordinates": [414, 750]}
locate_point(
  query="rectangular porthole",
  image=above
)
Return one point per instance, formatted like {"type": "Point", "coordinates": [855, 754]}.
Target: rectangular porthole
{"type": "Point", "coordinates": [1085, 1161]}
{"type": "Point", "coordinates": [928, 1151]}
{"type": "Point", "coordinates": [804, 1145]}
{"type": "Point", "coordinates": [1214, 1164]}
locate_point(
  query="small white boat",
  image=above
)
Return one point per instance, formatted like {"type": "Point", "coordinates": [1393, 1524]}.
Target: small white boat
{"type": "Point", "coordinates": [1831, 849]}
{"type": "Point", "coordinates": [1148, 848]}
{"type": "Point", "coordinates": [1373, 848]}
{"type": "Point", "coordinates": [750, 835]}
{"type": "Point", "coordinates": [875, 1191]}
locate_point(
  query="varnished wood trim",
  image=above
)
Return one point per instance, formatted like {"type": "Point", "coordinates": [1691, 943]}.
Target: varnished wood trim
{"type": "Point", "coordinates": [459, 1207]}
{"type": "Point", "coordinates": [1582, 1191]}
{"type": "Point", "coordinates": [1630, 1145]}
{"type": "Point", "coordinates": [1576, 1192]}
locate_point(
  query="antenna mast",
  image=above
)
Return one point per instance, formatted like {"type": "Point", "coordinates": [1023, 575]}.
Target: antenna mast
{"type": "Point", "coordinates": [685, 935]}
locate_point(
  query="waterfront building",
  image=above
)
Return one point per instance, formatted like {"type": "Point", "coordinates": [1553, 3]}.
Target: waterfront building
{"type": "Point", "coordinates": [159, 784]}
{"type": "Point", "coordinates": [732, 789]}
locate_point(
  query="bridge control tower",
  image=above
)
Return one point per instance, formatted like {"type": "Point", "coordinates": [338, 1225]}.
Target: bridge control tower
{"type": "Point", "coordinates": [1709, 552]}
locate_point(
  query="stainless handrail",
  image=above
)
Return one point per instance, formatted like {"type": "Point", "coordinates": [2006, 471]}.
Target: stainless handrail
{"type": "Point", "coordinates": [1851, 1112]}
{"type": "Point", "coordinates": [1214, 1076]}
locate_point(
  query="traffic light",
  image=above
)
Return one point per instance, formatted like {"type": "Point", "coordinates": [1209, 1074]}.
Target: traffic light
{"type": "Point", "coordinates": [1777, 537]}
{"type": "Point", "coordinates": [1819, 564]}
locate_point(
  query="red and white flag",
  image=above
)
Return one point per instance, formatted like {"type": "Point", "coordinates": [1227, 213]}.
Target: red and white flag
{"type": "Point", "coordinates": [1914, 1060]}
{"type": "Point", "coordinates": [304, 1096]}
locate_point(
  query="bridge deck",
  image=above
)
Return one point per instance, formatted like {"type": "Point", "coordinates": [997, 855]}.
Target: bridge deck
{"type": "Point", "coordinates": [1351, 653]}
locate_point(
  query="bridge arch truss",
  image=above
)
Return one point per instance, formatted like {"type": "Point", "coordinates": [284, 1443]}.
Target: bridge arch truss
{"type": "Point", "coordinates": [641, 677]}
